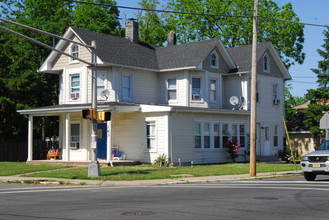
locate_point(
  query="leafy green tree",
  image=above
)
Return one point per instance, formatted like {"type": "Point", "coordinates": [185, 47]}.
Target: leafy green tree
{"type": "Point", "coordinates": [234, 25]}
{"type": "Point", "coordinates": [21, 86]}
{"type": "Point", "coordinates": [152, 29]}
{"type": "Point", "coordinates": [319, 96]}
{"type": "Point", "coordinates": [292, 101]}
{"type": "Point", "coordinates": [102, 17]}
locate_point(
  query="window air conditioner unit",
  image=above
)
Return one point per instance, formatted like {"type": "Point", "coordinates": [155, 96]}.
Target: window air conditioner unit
{"type": "Point", "coordinates": [75, 95]}
{"type": "Point", "coordinates": [276, 101]}
{"type": "Point", "coordinates": [196, 97]}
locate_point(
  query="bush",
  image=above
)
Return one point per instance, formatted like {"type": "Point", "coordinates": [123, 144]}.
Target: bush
{"type": "Point", "coordinates": [162, 161]}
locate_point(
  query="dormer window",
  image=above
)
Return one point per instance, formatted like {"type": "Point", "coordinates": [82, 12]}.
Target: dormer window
{"type": "Point", "coordinates": [266, 63]}
{"type": "Point", "coordinates": [214, 61]}
{"type": "Point", "coordinates": [74, 51]}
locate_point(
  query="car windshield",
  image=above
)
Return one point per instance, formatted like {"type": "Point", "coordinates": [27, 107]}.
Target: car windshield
{"type": "Point", "coordinates": [324, 145]}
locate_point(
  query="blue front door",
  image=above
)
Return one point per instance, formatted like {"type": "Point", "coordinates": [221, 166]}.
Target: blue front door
{"type": "Point", "coordinates": [101, 140]}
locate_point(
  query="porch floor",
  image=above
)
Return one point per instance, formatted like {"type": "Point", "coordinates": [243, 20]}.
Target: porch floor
{"type": "Point", "coordinates": [86, 163]}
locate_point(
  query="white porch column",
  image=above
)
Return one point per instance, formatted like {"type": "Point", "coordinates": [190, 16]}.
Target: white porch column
{"type": "Point", "coordinates": [67, 136]}
{"type": "Point", "coordinates": [109, 142]}
{"type": "Point", "coordinates": [30, 139]}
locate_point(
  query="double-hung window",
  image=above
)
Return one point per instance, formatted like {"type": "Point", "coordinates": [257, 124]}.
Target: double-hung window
{"type": "Point", "coordinates": [213, 90]}
{"type": "Point", "coordinates": [216, 135]}
{"type": "Point", "coordinates": [150, 135]}
{"type": "Point", "coordinates": [101, 79]}
{"type": "Point", "coordinates": [197, 135]}
{"type": "Point", "coordinates": [75, 86]}
{"type": "Point", "coordinates": [75, 136]}
{"type": "Point", "coordinates": [242, 133]}
{"type": "Point", "coordinates": [225, 134]}
{"type": "Point", "coordinates": [257, 92]}
{"type": "Point", "coordinates": [206, 135]}
{"type": "Point", "coordinates": [275, 95]}
{"type": "Point", "coordinates": [196, 89]}
{"type": "Point", "coordinates": [172, 89]}
{"type": "Point", "coordinates": [126, 88]}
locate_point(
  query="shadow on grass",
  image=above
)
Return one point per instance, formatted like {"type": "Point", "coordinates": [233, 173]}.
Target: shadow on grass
{"type": "Point", "coordinates": [132, 172]}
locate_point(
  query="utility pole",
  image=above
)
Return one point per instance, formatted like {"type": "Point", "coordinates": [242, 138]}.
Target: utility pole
{"type": "Point", "coordinates": [253, 92]}
{"type": "Point", "coordinates": [93, 169]}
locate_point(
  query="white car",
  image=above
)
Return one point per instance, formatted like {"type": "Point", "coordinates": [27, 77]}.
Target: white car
{"type": "Point", "coordinates": [316, 162]}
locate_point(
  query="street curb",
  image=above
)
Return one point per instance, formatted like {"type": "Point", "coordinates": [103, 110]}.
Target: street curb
{"type": "Point", "coordinates": [186, 180]}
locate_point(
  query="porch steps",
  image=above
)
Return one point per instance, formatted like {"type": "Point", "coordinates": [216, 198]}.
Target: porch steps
{"type": "Point", "coordinates": [86, 163]}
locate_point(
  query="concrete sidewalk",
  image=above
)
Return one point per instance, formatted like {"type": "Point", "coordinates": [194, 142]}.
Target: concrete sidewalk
{"type": "Point", "coordinates": [179, 180]}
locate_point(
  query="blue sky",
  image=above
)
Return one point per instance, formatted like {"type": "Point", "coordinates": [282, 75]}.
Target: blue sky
{"type": "Point", "coordinates": [309, 11]}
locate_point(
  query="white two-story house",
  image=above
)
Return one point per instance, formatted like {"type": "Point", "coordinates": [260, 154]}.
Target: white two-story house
{"type": "Point", "coordinates": [185, 101]}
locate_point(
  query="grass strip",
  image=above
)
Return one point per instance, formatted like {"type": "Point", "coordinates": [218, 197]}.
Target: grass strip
{"type": "Point", "coordinates": [15, 168]}
{"type": "Point", "coordinates": [148, 172]}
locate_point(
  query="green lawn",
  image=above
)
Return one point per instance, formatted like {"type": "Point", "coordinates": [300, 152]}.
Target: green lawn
{"type": "Point", "coordinates": [14, 168]}
{"type": "Point", "coordinates": [151, 172]}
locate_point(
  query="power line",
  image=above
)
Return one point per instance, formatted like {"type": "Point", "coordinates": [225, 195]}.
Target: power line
{"type": "Point", "coordinates": [195, 13]}
{"type": "Point", "coordinates": [293, 81]}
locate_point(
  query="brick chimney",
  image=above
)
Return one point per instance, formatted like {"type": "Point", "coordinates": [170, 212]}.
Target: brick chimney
{"type": "Point", "coordinates": [132, 30]}
{"type": "Point", "coordinates": [171, 38]}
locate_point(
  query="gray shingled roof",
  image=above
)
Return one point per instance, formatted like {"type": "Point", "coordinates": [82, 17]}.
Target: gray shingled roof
{"type": "Point", "coordinates": [121, 51]}
{"type": "Point", "coordinates": [242, 55]}
{"type": "Point", "coordinates": [118, 50]}
{"type": "Point", "coordinates": [184, 55]}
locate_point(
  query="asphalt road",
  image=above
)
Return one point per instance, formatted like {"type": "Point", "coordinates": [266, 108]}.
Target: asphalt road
{"type": "Point", "coordinates": [288, 198]}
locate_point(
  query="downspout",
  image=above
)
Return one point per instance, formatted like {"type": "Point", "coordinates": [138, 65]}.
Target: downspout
{"type": "Point", "coordinates": [170, 137]}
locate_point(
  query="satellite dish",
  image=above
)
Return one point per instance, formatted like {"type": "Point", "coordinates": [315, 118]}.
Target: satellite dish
{"type": "Point", "coordinates": [234, 100]}
{"type": "Point", "coordinates": [105, 94]}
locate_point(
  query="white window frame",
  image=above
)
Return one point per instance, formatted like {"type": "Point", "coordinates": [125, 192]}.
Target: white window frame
{"type": "Point", "coordinates": [77, 95]}
{"type": "Point", "coordinates": [266, 63]}
{"type": "Point", "coordinates": [101, 83]}
{"type": "Point", "coordinates": [129, 87]}
{"type": "Point", "coordinates": [77, 144]}
{"type": "Point", "coordinates": [214, 58]}
{"type": "Point", "coordinates": [276, 99]}
{"type": "Point", "coordinates": [171, 89]}
{"type": "Point", "coordinates": [74, 51]}
{"type": "Point", "coordinates": [215, 91]}
{"type": "Point", "coordinates": [151, 138]}
{"type": "Point", "coordinates": [202, 134]}
{"type": "Point", "coordinates": [193, 99]}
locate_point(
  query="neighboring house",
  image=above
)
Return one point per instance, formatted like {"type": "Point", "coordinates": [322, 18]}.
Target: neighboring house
{"type": "Point", "coordinates": [172, 100]}
{"type": "Point", "coordinates": [302, 140]}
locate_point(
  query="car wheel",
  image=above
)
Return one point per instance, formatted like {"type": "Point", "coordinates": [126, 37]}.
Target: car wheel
{"type": "Point", "coordinates": [309, 176]}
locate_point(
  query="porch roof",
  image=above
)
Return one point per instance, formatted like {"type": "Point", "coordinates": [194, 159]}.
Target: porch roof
{"type": "Point", "coordinates": [55, 109]}
{"type": "Point", "coordinates": [126, 107]}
